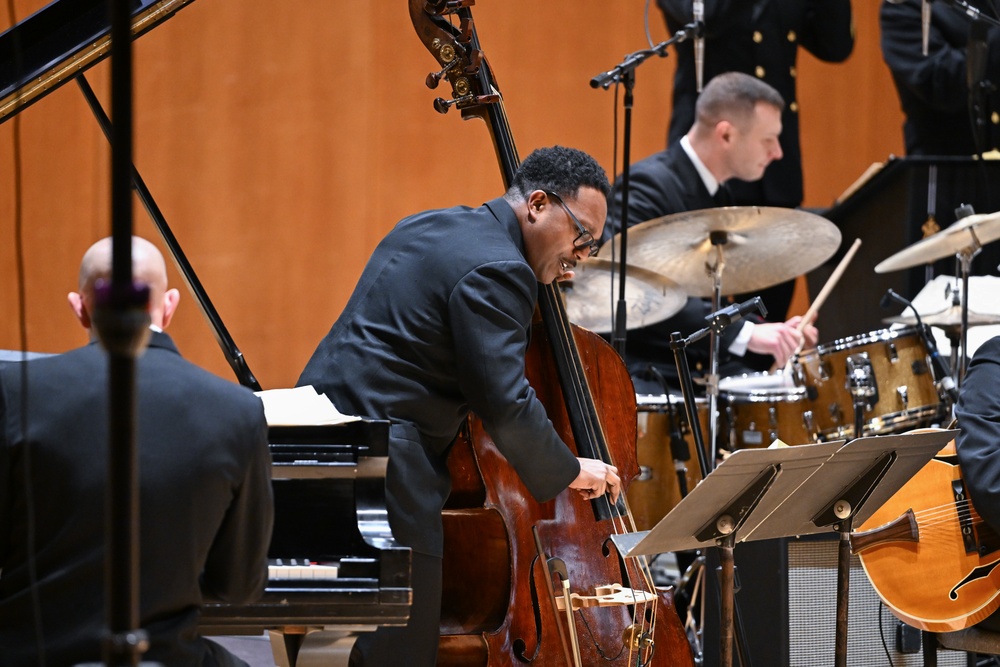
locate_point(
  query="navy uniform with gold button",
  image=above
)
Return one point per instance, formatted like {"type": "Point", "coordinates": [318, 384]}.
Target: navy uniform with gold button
{"type": "Point", "coordinates": [932, 89]}
{"type": "Point", "coordinates": [761, 38]}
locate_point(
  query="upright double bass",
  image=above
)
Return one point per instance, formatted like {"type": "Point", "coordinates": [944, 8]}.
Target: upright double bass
{"type": "Point", "coordinates": [503, 550]}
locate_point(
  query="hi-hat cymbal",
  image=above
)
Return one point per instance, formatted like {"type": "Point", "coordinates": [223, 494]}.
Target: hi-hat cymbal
{"type": "Point", "coordinates": [949, 241]}
{"type": "Point", "coordinates": [948, 319]}
{"type": "Point", "coordinates": [649, 296]}
{"type": "Point", "coordinates": [763, 246]}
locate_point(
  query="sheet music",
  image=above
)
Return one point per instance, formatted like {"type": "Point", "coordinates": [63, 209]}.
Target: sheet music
{"type": "Point", "coordinates": [300, 406]}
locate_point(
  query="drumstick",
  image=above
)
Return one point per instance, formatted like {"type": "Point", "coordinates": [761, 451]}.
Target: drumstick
{"type": "Point", "coordinates": [831, 282]}
{"type": "Point", "coordinates": [828, 287]}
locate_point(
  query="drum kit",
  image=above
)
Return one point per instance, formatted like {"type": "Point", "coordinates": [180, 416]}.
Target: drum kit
{"type": "Point", "coordinates": [879, 382]}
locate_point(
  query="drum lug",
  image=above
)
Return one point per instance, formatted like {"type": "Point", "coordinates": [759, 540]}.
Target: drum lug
{"type": "Point", "coordinates": [809, 423]}
{"type": "Point", "coordinates": [645, 474]}
{"type": "Point", "coordinates": [772, 418]}
{"type": "Point", "coordinates": [904, 396]}
{"type": "Point", "coordinates": [892, 352]}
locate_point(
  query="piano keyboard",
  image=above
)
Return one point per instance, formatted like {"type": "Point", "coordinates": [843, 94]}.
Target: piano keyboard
{"type": "Point", "coordinates": [299, 570]}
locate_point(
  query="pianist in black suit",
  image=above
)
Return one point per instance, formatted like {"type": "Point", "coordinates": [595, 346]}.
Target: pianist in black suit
{"type": "Point", "coordinates": [734, 136]}
{"type": "Point", "coordinates": [206, 510]}
{"type": "Point", "coordinates": [438, 326]}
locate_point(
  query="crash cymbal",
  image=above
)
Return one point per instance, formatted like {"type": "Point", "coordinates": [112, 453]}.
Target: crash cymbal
{"type": "Point", "coordinates": [649, 296]}
{"type": "Point", "coordinates": [948, 319]}
{"type": "Point", "coordinates": [763, 246]}
{"type": "Point", "coordinates": [949, 241]}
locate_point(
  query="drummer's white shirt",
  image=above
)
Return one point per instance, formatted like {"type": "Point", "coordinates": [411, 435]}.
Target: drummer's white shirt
{"type": "Point", "coordinates": [742, 340]}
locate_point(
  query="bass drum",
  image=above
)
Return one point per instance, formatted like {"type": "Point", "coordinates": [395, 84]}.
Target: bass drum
{"type": "Point", "coordinates": [905, 397]}
{"type": "Point", "coordinates": [759, 408]}
{"type": "Point", "coordinates": [656, 490]}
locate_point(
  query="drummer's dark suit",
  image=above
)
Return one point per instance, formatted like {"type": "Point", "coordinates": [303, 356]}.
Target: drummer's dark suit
{"type": "Point", "coordinates": [662, 184]}
{"type": "Point", "coordinates": [933, 90]}
{"type": "Point", "coordinates": [205, 504]}
{"type": "Point", "coordinates": [438, 326]}
{"type": "Point", "coordinates": [760, 38]}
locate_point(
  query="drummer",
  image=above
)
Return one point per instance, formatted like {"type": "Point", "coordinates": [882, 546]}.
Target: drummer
{"type": "Point", "coordinates": [735, 136]}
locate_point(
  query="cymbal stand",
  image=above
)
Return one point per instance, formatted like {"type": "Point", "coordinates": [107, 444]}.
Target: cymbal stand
{"type": "Point", "coordinates": [718, 239]}
{"type": "Point", "coordinates": [965, 257]}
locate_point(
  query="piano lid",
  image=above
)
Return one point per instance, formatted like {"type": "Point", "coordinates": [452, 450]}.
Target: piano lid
{"type": "Point", "coordinates": [61, 40]}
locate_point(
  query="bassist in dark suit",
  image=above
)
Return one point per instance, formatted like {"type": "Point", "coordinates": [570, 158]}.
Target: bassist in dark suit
{"type": "Point", "coordinates": [438, 327]}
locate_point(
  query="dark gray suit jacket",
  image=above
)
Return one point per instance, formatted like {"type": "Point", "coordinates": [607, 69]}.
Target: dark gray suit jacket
{"type": "Point", "coordinates": [205, 495]}
{"type": "Point", "coordinates": [438, 326]}
{"type": "Point", "coordinates": [978, 442]}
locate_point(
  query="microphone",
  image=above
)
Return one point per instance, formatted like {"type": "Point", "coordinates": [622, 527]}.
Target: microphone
{"type": "Point", "coordinates": [698, 10]}
{"type": "Point", "coordinates": [721, 319]}
{"type": "Point", "coordinates": [941, 369]}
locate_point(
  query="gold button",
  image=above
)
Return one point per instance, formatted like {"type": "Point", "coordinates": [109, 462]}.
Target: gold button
{"type": "Point", "coordinates": [757, 37]}
{"type": "Point", "coordinates": [794, 107]}
{"type": "Point", "coordinates": [791, 36]}
{"type": "Point", "coordinates": [759, 71]}
{"type": "Point", "coordinates": [995, 117]}
{"type": "Point", "coordinates": [794, 72]}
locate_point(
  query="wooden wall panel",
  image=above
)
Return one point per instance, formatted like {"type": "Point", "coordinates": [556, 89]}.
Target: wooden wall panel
{"type": "Point", "coordinates": [282, 140]}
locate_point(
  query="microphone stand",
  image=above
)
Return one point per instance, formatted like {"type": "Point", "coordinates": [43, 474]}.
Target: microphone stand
{"type": "Point", "coordinates": [624, 73]}
{"type": "Point", "coordinates": [731, 623]}
{"type": "Point", "coordinates": [121, 320]}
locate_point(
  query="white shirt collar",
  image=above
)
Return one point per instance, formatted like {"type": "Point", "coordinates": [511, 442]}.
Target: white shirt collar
{"type": "Point", "coordinates": [706, 176]}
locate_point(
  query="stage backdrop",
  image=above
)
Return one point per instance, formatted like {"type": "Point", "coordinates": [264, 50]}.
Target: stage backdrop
{"type": "Point", "coordinates": [283, 140]}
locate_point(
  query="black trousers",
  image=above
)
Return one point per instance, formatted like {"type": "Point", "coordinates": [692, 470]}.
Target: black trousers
{"type": "Point", "coordinates": [416, 643]}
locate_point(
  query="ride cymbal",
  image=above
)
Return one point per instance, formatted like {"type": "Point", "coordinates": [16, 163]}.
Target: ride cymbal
{"type": "Point", "coordinates": [649, 296]}
{"type": "Point", "coordinates": [949, 241]}
{"type": "Point", "coordinates": [761, 246]}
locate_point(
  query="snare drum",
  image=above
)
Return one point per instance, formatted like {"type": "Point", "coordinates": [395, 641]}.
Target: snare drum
{"type": "Point", "coordinates": [656, 491]}
{"type": "Point", "coordinates": [905, 394]}
{"type": "Point", "coordinates": [760, 408]}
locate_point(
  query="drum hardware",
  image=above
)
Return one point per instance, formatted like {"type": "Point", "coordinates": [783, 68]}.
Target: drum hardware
{"type": "Point", "coordinates": [763, 407]}
{"type": "Point", "coordinates": [808, 422]}
{"type": "Point", "coordinates": [944, 379]}
{"type": "Point", "coordinates": [964, 239]}
{"type": "Point", "coordinates": [899, 358]}
{"type": "Point", "coordinates": [861, 385]}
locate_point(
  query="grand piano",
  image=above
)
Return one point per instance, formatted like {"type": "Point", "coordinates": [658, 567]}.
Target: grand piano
{"type": "Point", "coordinates": [335, 565]}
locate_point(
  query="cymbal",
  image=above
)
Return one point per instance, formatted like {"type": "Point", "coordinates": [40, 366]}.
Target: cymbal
{"type": "Point", "coordinates": [764, 246]}
{"type": "Point", "coordinates": [650, 297]}
{"type": "Point", "coordinates": [948, 319]}
{"type": "Point", "coordinates": [949, 241]}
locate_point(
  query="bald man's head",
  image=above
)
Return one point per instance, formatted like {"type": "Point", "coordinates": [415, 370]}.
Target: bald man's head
{"type": "Point", "coordinates": [148, 268]}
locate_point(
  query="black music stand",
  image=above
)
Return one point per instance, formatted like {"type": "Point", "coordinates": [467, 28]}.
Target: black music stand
{"type": "Point", "coordinates": [764, 493]}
